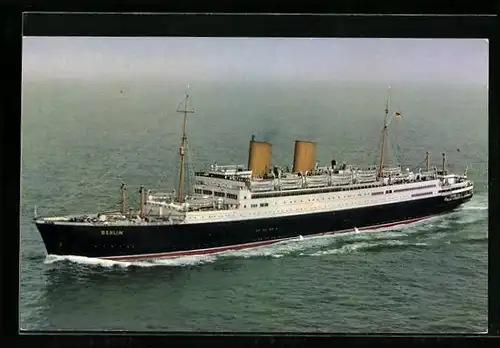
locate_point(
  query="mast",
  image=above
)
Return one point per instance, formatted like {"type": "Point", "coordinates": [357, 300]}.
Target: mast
{"type": "Point", "coordinates": [124, 199]}
{"type": "Point", "coordinates": [185, 111]}
{"type": "Point", "coordinates": [384, 134]}
{"type": "Point", "coordinates": [427, 160]}
{"type": "Point", "coordinates": [141, 213]}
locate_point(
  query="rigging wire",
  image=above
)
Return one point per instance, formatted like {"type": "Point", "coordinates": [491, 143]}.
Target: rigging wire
{"type": "Point", "coordinates": [119, 176]}
{"type": "Point", "coordinates": [187, 159]}
{"type": "Point", "coordinates": [394, 156]}
{"type": "Point", "coordinates": [134, 200]}
{"type": "Point", "coordinates": [190, 169]}
{"type": "Point", "coordinates": [399, 152]}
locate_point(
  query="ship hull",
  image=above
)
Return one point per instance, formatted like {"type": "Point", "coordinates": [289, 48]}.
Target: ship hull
{"type": "Point", "coordinates": [148, 241]}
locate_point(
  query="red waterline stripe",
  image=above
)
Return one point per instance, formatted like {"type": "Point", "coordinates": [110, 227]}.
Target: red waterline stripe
{"type": "Point", "coordinates": [252, 245]}
{"type": "Point", "coordinates": [195, 252]}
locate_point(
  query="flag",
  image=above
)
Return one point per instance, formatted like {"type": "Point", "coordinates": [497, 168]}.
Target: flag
{"type": "Point", "coordinates": [398, 115]}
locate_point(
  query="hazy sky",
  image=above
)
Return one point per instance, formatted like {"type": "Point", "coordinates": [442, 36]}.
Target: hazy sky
{"type": "Point", "coordinates": [453, 61]}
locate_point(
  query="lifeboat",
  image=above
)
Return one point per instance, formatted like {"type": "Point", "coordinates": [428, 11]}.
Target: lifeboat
{"type": "Point", "coordinates": [340, 179]}
{"type": "Point", "coordinates": [316, 181]}
{"type": "Point", "coordinates": [260, 185]}
{"type": "Point", "coordinates": [291, 182]}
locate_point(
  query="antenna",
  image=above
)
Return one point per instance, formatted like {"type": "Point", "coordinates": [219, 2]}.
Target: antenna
{"type": "Point", "coordinates": [185, 111]}
{"type": "Point", "coordinates": [427, 160]}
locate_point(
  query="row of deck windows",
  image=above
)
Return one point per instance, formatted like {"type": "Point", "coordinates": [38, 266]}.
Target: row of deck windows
{"type": "Point", "coordinates": [316, 200]}
{"type": "Point", "coordinates": [284, 193]}
{"type": "Point", "coordinates": [351, 196]}
{"type": "Point", "coordinates": [414, 188]}
{"type": "Point", "coordinates": [215, 193]}
{"type": "Point", "coordinates": [333, 189]}
{"type": "Point", "coordinates": [421, 194]}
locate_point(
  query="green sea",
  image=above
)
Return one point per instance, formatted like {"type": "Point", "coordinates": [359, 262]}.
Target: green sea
{"type": "Point", "coordinates": [82, 138]}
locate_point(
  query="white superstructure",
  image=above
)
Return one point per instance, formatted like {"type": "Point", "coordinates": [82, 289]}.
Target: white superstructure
{"type": "Point", "coordinates": [226, 193]}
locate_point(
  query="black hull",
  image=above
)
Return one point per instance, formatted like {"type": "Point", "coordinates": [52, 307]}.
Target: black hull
{"type": "Point", "coordinates": [135, 242]}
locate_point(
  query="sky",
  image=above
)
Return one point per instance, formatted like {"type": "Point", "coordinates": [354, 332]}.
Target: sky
{"type": "Point", "coordinates": [454, 61]}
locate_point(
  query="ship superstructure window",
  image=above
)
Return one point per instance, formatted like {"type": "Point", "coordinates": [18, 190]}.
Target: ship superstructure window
{"type": "Point", "coordinates": [232, 196]}
{"type": "Point", "coordinates": [421, 194]}
{"type": "Point", "coordinates": [199, 191]}
{"type": "Point", "coordinates": [207, 192]}
{"type": "Point", "coordinates": [264, 204]}
{"type": "Point", "coordinates": [219, 194]}
{"type": "Point", "coordinates": [415, 188]}
{"type": "Point", "coordinates": [254, 205]}
{"type": "Point", "coordinates": [286, 193]}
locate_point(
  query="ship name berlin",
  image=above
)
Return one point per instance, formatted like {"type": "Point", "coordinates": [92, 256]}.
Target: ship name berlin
{"type": "Point", "coordinates": [111, 233]}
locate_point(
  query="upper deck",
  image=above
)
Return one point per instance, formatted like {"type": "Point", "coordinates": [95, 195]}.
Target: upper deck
{"type": "Point", "coordinates": [233, 178]}
{"type": "Point", "coordinates": [230, 186]}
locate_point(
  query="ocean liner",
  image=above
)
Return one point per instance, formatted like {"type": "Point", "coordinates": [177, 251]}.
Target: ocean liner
{"type": "Point", "coordinates": [233, 207]}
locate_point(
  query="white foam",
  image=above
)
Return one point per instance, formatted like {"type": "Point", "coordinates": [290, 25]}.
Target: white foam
{"type": "Point", "coordinates": [50, 259]}
{"type": "Point", "coordinates": [359, 246]}
{"type": "Point", "coordinates": [478, 202]}
{"type": "Point", "coordinates": [474, 208]}
{"type": "Point", "coordinates": [185, 260]}
{"type": "Point", "coordinates": [82, 260]}
{"type": "Point", "coordinates": [346, 248]}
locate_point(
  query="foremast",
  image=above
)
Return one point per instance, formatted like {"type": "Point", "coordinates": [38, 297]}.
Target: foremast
{"type": "Point", "coordinates": [185, 108]}
{"type": "Point", "coordinates": [182, 147]}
